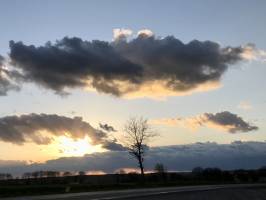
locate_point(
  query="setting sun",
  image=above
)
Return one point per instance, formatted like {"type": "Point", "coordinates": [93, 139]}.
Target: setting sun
{"type": "Point", "coordinates": [71, 147]}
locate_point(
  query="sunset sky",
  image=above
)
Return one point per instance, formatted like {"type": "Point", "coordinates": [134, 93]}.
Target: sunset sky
{"type": "Point", "coordinates": [195, 69]}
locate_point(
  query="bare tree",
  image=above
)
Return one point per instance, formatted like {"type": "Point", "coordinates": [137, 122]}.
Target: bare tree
{"type": "Point", "coordinates": [26, 175]}
{"type": "Point", "coordinates": [160, 168]}
{"type": "Point", "coordinates": [137, 135]}
{"type": "Point", "coordinates": [81, 173]}
{"type": "Point", "coordinates": [67, 174]}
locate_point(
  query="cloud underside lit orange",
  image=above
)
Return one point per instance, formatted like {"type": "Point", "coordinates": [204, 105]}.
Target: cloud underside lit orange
{"type": "Point", "coordinates": [158, 89]}
{"type": "Point", "coordinates": [223, 121]}
{"type": "Point", "coordinates": [193, 123]}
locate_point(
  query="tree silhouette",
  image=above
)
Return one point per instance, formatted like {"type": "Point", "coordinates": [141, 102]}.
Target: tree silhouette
{"type": "Point", "coordinates": [137, 135]}
{"type": "Point", "coordinates": [26, 175]}
{"type": "Point", "coordinates": [81, 173]}
{"type": "Point", "coordinates": [67, 174]}
{"type": "Point", "coordinates": [5, 176]}
{"type": "Point", "coordinates": [160, 168]}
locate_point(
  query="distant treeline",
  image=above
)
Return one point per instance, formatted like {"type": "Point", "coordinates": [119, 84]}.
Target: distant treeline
{"type": "Point", "coordinates": [40, 174]}
{"type": "Point", "coordinates": [198, 175]}
{"type": "Point", "coordinates": [53, 182]}
{"type": "Point", "coordinates": [5, 176]}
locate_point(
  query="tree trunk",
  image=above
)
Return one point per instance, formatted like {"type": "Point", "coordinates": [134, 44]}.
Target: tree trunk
{"type": "Point", "coordinates": [141, 169]}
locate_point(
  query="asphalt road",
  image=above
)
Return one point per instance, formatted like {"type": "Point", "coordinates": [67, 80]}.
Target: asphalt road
{"type": "Point", "coordinates": [216, 192]}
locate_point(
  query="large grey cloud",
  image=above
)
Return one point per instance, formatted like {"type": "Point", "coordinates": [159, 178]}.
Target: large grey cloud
{"type": "Point", "coordinates": [225, 120]}
{"type": "Point", "coordinates": [40, 129]}
{"type": "Point", "coordinates": [70, 62]}
{"type": "Point", "coordinates": [163, 65]}
{"type": "Point", "coordinates": [245, 155]}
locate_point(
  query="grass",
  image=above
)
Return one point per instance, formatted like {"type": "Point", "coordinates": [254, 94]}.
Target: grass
{"type": "Point", "coordinates": [43, 189]}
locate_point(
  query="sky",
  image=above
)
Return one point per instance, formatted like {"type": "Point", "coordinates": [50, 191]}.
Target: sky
{"type": "Point", "coordinates": [194, 69]}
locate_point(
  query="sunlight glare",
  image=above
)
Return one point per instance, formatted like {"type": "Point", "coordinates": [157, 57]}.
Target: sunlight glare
{"type": "Point", "coordinates": [79, 147]}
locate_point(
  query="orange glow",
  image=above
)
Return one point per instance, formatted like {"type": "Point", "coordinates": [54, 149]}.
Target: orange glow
{"type": "Point", "coordinates": [156, 89]}
{"type": "Point", "coordinates": [76, 147]}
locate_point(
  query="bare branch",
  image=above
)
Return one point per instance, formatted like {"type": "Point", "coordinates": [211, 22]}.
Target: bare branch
{"type": "Point", "coordinates": [138, 133]}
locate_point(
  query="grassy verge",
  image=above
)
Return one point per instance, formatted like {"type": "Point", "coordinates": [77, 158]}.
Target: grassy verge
{"type": "Point", "coordinates": [30, 190]}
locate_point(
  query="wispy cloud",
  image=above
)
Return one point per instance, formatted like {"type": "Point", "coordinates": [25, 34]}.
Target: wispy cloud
{"type": "Point", "coordinates": [244, 105]}
{"type": "Point", "coordinates": [252, 53]}
{"type": "Point", "coordinates": [224, 121]}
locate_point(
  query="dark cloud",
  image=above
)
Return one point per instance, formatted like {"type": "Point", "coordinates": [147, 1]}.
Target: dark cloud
{"type": "Point", "coordinates": [107, 127]}
{"type": "Point", "coordinates": [2, 59]}
{"type": "Point", "coordinates": [225, 120]}
{"type": "Point", "coordinates": [39, 128]}
{"type": "Point", "coordinates": [124, 68]}
{"type": "Point", "coordinates": [113, 146]}
{"type": "Point", "coordinates": [233, 122]}
{"type": "Point", "coordinates": [72, 62]}
{"type": "Point", "coordinates": [5, 82]}
{"type": "Point", "coordinates": [245, 155]}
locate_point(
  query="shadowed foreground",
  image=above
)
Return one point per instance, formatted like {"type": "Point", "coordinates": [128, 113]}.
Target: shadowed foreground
{"type": "Point", "coordinates": [217, 192]}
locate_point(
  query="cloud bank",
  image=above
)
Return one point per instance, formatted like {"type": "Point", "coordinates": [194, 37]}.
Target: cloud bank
{"type": "Point", "coordinates": [245, 155]}
{"type": "Point", "coordinates": [225, 121]}
{"type": "Point", "coordinates": [143, 66]}
{"type": "Point", "coordinates": [40, 129]}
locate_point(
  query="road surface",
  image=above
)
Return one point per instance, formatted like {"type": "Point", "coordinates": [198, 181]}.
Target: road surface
{"type": "Point", "coordinates": [208, 192]}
